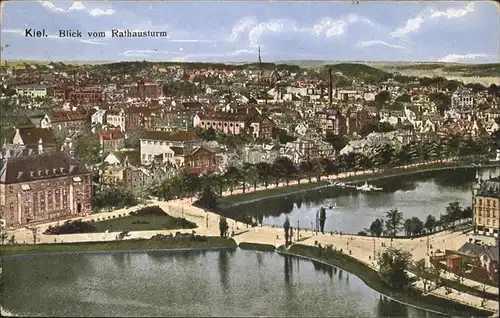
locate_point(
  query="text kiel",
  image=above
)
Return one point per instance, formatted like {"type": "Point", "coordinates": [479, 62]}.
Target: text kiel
{"type": "Point", "coordinates": [34, 33]}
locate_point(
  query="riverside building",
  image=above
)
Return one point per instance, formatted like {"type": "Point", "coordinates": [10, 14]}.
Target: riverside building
{"type": "Point", "coordinates": [486, 206]}
{"type": "Point", "coordinates": [43, 188]}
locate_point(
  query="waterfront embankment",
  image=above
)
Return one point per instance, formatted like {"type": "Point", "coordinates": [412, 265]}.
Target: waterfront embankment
{"type": "Point", "coordinates": [238, 197]}
{"type": "Point", "coordinates": [370, 277]}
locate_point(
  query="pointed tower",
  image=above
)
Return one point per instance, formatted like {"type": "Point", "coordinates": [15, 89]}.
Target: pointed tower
{"type": "Point", "coordinates": [260, 67]}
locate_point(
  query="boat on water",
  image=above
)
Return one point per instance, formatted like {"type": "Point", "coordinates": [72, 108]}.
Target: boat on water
{"type": "Point", "coordinates": [338, 184]}
{"type": "Point", "coordinates": [368, 187]}
{"type": "Point", "coordinates": [333, 205]}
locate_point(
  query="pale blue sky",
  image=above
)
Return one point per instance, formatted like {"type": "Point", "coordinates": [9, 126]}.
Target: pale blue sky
{"type": "Point", "coordinates": [231, 31]}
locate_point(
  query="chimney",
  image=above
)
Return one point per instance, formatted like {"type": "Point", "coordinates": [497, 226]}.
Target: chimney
{"type": "Point", "coordinates": [330, 86]}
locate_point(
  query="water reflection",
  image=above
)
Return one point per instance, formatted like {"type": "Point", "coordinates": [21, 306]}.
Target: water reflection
{"type": "Point", "coordinates": [388, 308]}
{"type": "Point", "coordinates": [415, 195]}
{"type": "Point", "coordinates": [217, 283]}
{"type": "Point", "coordinates": [224, 269]}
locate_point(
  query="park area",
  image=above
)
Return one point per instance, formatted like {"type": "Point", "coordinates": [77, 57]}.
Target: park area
{"type": "Point", "coordinates": [146, 219]}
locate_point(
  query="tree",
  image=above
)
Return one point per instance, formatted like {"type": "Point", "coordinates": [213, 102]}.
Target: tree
{"type": "Point", "coordinates": [417, 226]}
{"type": "Point", "coordinates": [382, 97]}
{"type": "Point", "coordinates": [208, 197]}
{"type": "Point", "coordinates": [377, 227]}
{"type": "Point", "coordinates": [251, 175]}
{"type": "Point", "coordinates": [223, 227]}
{"type": "Point", "coordinates": [420, 271]}
{"type": "Point", "coordinates": [233, 177]}
{"type": "Point", "coordinates": [430, 223]}
{"type": "Point", "coordinates": [3, 236]}
{"type": "Point", "coordinates": [454, 211]}
{"type": "Point", "coordinates": [322, 219]}
{"type": "Point", "coordinates": [286, 227]}
{"type": "Point", "coordinates": [87, 149]}
{"type": "Point", "coordinates": [306, 168]}
{"type": "Point", "coordinates": [408, 227]}
{"type": "Point", "coordinates": [393, 221]}
{"type": "Point", "coordinates": [467, 213]}
{"type": "Point", "coordinates": [393, 264]}
{"type": "Point", "coordinates": [405, 98]}
{"type": "Point", "coordinates": [34, 233]}
{"type": "Point", "coordinates": [12, 240]}
{"type": "Point", "coordinates": [338, 142]}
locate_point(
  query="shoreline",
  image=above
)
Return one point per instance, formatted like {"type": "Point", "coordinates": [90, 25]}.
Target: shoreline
{"type": "Point", "coordinates": [361, 177]}
{"type": "Point", "coordinates": [369, 281]}
{"type": "Point", "coordinates": [365, 277]}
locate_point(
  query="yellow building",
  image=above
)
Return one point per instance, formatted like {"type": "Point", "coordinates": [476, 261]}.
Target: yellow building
{"type": "Point", "coordinates": [487, 207]}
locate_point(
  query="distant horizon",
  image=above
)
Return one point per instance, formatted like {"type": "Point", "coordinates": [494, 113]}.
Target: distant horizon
{"type": "Point", "coordinates": [218, 32]}
{"type": "Point", "coordinates": [246, 62]}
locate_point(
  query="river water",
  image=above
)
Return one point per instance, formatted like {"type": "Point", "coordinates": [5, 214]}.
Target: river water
{"type": "Point", "coordinates": [212, 283]}
{"type": "Point", "coordinates": [416, 195]}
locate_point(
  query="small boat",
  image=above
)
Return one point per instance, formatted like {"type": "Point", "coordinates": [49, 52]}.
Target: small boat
{"type": "Point", "coordinates": [337, 184]}
{"type": "Point", "coordinates": [368, 187]}
{"type": "Point", "coordinates": [332, 206]}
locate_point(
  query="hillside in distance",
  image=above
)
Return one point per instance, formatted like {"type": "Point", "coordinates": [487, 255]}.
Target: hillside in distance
{"type": "Point", "coordinates": [484, 74]}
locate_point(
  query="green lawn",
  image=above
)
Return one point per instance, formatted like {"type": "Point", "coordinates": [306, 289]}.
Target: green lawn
{"type": "Point", "coordinates": [125, 245]}
{"type": "Point", "coordinates": [138, 223]}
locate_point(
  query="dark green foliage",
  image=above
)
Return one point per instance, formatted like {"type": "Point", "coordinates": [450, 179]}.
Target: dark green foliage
{"type": "Point", "coordinates": [148, 210]}
{"type": "Point", "coordinates": [392, 266]}
{"type": "Point", "coordinates": [113, 196]}
{"type": "Point", "coordinates": [377, 227]}
{"type": "Point", "coordinates": [223, 227]}
{"type": "Point", "coordinates": [322, 219]}
{"type": "Point", "coordinates": [70, 227]}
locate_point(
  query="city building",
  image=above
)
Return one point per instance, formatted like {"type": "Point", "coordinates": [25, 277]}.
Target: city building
{"type": "Point", "coordinates": [33, 90]}
{"type": "Point", "coordinates": [486, 206]}
{"type": "Point", "coordinates": [462, 99]}
{"type": "Point", "coordinates": [43, 188]}
{"type": "Point", "coordinates": [155, 143]}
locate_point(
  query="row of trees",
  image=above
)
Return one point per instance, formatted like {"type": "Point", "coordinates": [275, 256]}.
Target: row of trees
{"type": "Point", "coordinates": [284, 170]}
{"type": "Point", "coordinates": [394, 222]}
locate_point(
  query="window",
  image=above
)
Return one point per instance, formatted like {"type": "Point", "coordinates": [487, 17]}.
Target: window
{"type": "Point", "coordinates": [77, 179]}
{"type": "Point", "coordinates": [480, 221]}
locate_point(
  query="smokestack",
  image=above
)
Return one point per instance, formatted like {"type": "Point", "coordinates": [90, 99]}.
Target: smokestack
{"type": "Point", "coordinates": [330, 86]}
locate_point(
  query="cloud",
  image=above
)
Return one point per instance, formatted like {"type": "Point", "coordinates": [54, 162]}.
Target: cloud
{"type": "Point", "coordinates": [365, 44]}
{"type": "Point", "coordinates": [98, 12]}
{"type": "Point", "coordinates": [412, 25]}
{"type": "Point", "coordinates": [242, 26]}
{"type": "Point", "coordinates": [51, 6]}
{"type": "Point", "coordinates": [454, 13]}
{"type": "Point", "coordinates": [280, 29]}
{"type": "Point", "coordinates": [454, 58]}
{"type": "Point", "coordinates": [77, 6]}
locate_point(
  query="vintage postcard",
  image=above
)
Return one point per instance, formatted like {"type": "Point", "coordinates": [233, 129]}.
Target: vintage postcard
{"type": "Point", "coordinates": [249, 158]}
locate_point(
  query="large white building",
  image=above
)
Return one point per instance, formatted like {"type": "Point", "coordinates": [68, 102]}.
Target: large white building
{"type": "Point", "coordinates": [462, 99]}
{"type": "Point", "coordinates": [166, 144]}
{"type": "Point", "coordinates": [33, 90]}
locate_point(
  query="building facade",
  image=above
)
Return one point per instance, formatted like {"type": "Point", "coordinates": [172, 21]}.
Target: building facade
{"type": "Point", "coordinates": [486, 207]}
{"type": "Point", "coordinates": [43, 188]}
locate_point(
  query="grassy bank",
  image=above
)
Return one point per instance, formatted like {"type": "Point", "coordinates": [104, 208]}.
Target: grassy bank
{"type": "Point", "coordinates": [125, 245]}
{"type": "Point", "coordinates": [371, 279]}
{"type": "Point", "coordinates": [237, 198]}
{"type": "Point", "coordinates": [257, 247]}
{"type": "Point", "coordinates": [394, 172]}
